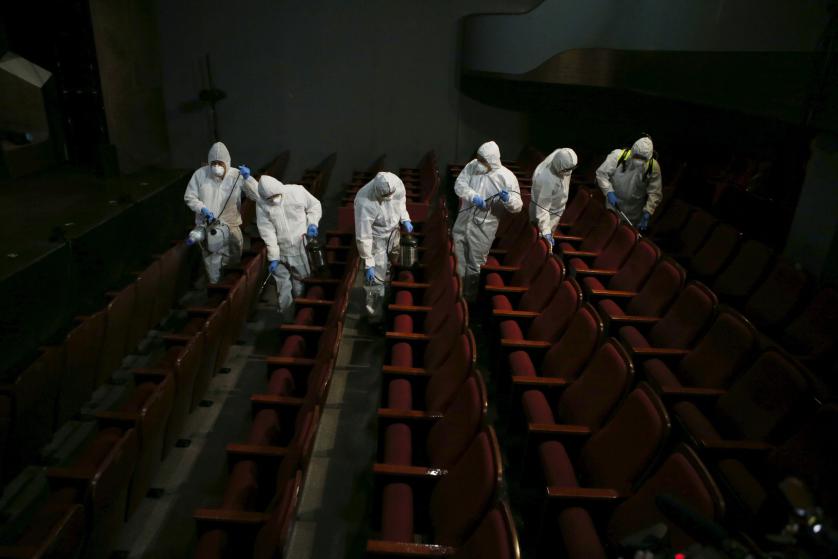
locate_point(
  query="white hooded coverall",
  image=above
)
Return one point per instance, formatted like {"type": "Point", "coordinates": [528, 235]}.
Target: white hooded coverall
{"type": "Point", "coordinates": [550, 189]}
{"type": "Point", "coordinates": [282, 223]}
{"type": "Point", "coordinates": [474, 231]}
{"type": "Point", "coordinates": [380, 205]}
{"type": "Point", "coordinates": [635, 193]}
{"type": "Point", "coordinates": [205, 190]}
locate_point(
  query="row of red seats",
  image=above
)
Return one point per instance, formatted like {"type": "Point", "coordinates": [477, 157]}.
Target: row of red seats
{"type": "Point", "coordinates": [266, 471]}
{"type": "Point", "coordinates": [94, 490]}
{"type": "Point", "coordinates": [774, 292]}
{"type": "Point", "coordinates": [439, 467]}
{"type": "Point", "coordinates": [553, 340]}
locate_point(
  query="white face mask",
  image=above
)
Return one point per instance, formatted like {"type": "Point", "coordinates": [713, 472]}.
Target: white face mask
{"type": "Point", "coordinates": [275, 201]}
{"type": "Point", "coordinates": [218, 170]}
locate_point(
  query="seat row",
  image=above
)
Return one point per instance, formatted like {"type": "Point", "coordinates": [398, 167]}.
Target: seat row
{"type": "Point", "coordinates": [421, 183]}
{"type": "Point", "coordinates": [438, 473]}
{"type": "Point", "coordinates": [258, 505]}
{"type": "Point", "coordinates": [671, 353]}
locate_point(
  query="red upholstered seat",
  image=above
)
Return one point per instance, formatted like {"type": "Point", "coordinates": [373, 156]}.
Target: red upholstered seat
{"type": "Point", "coordinates": [658, 292]}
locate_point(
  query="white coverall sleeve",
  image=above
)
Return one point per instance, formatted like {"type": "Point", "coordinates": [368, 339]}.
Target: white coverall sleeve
{"type": "Point", "coordinates": [363, 236]}
{"type": "Point", "coordinates": [250, 187]}
{"type": "Point", "coordinates": [462, 186]}
{"type": "Point", "coordinates": [654, 190]}
{"type": "Point", "coordinates": [191, 195]}
{"type": "Point", "coordinates": [314, 211]}
{"type": "Point", "coordinates": [268, 233]}
{"type": "Point", "coordinates": [515, 203]}
{"type": "Point", "coordinates": [606, 171]}
{"type": "Point", "coordinates": [403, 215]}
{"type": "Point", "coordinates": [542, 195]}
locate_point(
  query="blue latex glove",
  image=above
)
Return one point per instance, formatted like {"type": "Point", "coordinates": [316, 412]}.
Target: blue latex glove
{"type": "Point", "coordinates": [207, 214]}
{"type": "Point", "coordinates": [245, 171]}
{"type": "Point", "coordinates": [644, 221]}
{"type": "Point", "coordinates": [478, 201]}
{"type": "Point", "coordinates": [408, 226]}
{"type": "Point", "coordinates": [312, 230]}
{"type": "Point", "coordinates": [190, 241]}
{"type": "Point", "coordinates": [504, 196]}
{"type": "Point", "coordinates": [369, 275]}
{"type": "Point", "coordinates": [272, 266]}
{"type": "Point", "coordinates": [612, 198]}
{"type": "Point", "coordinates": [550, 239]}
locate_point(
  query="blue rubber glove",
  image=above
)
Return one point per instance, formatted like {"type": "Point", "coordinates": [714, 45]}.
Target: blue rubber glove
{"type": "Point", "coordinates": [549, 239]}
{"type": "Point", "coordinates": [504, 196]}
{"type": "Point", "coordinates": [190, 241]}
{"type": "Point", "coordinates": [245, 171]}
{"type": "Point", "coordinates": [272, 266]}
{"type": "Point", "coordinates": [408, 226]}
{"type": "Point", "coordinates": [369, 275]}
{"type": "Point", "coordinates": [312, 230]}
{"type": "Point", "coordinates": [207, 214]}
{"type": "Point", "coordinates": [644, 221]}
{"type": "Point", "coordinates": [478, 201]}
{"type": "Point", "coordinates": [612, 199]}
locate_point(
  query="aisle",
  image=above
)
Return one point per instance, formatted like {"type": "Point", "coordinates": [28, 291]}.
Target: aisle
{"type": "Point", "coordinates": [333, 512]}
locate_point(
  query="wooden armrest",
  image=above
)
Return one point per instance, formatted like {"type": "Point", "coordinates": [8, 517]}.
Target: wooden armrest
{"type": "Point", "coordinates": [313, 302]}
{"type": "Point", "coordinates": [228, 516]}
{"type": "Point", "coordinates": [568, 238]}
{"type": "Point", "coordinates": [289, 361]}
{"type": "Point", "coordinates": [524, 344]}
{"type": "Point", "coordinates": [177, 338]}
{"type": "Point", "coordinates": [612, 293]}
{"type": "Point", "coordinates": [658, 352]}
{"type": "Point", "coordinates": [404, 371]}
{"type": "Point", "coordinates": [558, 429]}
{"type": "Point", "coordinates": [498, 268]}
{"type": "Point", "coordinates": [595, 272]}
{"type": "Point", "coordinates": [118, 417]}
{"type": "Point", "coordinates": [500, 313]}
{"type": "Point", "coordinates": [409, 308]}
{"type": "Point", "coordinates": [409, 285]}
{"type": "Point", "coordinates": [276, 400]}
{"type": "Point", "coordinates": [500, 251]}
{"type": "Point", "coordinates": [405, 336]}
{"type": "Point", "coordinates": [690, 392]}
{"type": "Point", "coordinates": [580, 253]}
{"type": "Point", "coordinates": [582, 494]}
{"type": "Point", "coordinates": [628, 319]}
{"type": "Point", "coordinates": [405, 549]}
{"type": "Point", "coordinates": [408, 471]}
{"type": "Point", "coordinates": [732, 447]}
{"type": "Point", "coordinates": [539, 382]}
{"type": "Point", "coordinates": [69, 474]}
{"type": "Point", "coordinates": [256, 450]}
{"type": "Point", "coordinates": [396, 414]}
{"type": "Point", "coordinates": [505, 289]}
{"type": "Point", "coordinates": [301, 328]}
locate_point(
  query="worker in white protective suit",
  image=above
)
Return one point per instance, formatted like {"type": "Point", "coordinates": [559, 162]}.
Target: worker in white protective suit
{"type": "Point", "coordinates": [487, 190]}
{"type": "Point", "coordinates": [285, 213]}
{"type": "Point", "coordinates": [631, 182]}
{"type": "Point", "coordinates": [550, 188]}
{"type": "Point", "coordinates": [214, 193]}
{"type": "Point", "coordinates": [380, 205]}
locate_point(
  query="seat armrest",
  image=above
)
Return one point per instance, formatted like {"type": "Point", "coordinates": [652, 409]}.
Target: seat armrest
{"type": "Point", "coordinates": [596, 272]}
{"type": "Point", "coordinates": [277, 361]}
{"type": "Point", "coordinates": [568, 238]}
{"type": "Point", "coordinates": [255, 451]}
{"type": "Point", "coordinates": [504, 289]}
{"type": "Point", "coordinates": [733, 448]}
{"type": "Point", "coordinates": [558, 429]}
{"type": "Point", "coordinates": [611, 293]}
{"type": "Point", "coordinates": [500, 313]}
{"type": "Point", "coordinates": [408, 549]}
{"type": "Point", "coordinates": [581, 495]}
{"type": "Point", "coordinates": [520, 381]}
{"type": "Point", "coordinates": [689, 393]}
{"type": "Point", "coordinates": [408, 309]}
{"type": "Point", "coordinates": [230, 516]}
{"type": "Point", "coordinates": [580, 253]}
{"type": "Point", "coordinates": [392, 414]}
{"type": "Point", "coordinates": [404, 371]}
{"type": "Point", "coordinates": [633, 319]}
{"type": "Point", "coordinates": [407, 471]}
{"type": "Point", "coordinates": [524, 344]}
{"type": "Point", "coordinates": [659, 352]}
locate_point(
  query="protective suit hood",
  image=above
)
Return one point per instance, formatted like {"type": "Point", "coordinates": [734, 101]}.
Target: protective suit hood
{"type": "Point", "coordinates": [491, 153]}
{"type": "Point", "coordinates": [269, 186]}
{"type": "Point", "coordinates": [383, 186]}
{"type": "Point", "coordinates": [219, 152]}
{"type": "Point", "coordinates": [643, 147]}
{"type": "Point", "coordinates": [564, 160]}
